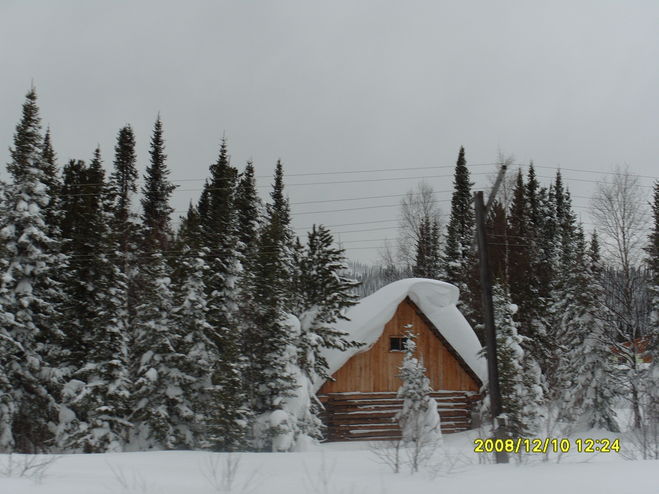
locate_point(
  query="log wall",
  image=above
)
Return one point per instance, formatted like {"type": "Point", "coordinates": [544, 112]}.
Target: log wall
{"type": "Point", "coordinates": [371, 416]}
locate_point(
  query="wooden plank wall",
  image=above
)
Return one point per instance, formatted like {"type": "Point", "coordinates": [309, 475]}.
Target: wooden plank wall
{"type": "Point", "coordinates": [376, 369]}
{"type": "Point", "coordinates": [372, 416]}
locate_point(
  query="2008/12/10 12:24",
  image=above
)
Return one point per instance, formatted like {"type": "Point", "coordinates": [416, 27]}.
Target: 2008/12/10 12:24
{"type": "Point", "coordinates": [537, 445]}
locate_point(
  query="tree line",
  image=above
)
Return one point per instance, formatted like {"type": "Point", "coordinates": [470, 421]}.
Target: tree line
{"type": "Point", "coordinates": [576, 327]}
{"type": "Point", "coordinates": [119, 332]}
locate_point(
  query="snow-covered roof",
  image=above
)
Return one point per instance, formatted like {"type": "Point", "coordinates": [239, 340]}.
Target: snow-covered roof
{"type": "Point", "coordinates": [436, 299]}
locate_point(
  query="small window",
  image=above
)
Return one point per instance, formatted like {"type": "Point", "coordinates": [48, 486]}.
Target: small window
{"type": "Point", "coordinates": [397, 343]}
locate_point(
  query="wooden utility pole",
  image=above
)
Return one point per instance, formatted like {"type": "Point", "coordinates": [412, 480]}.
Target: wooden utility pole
{"type": "Point", "coordinates": [488, 315]}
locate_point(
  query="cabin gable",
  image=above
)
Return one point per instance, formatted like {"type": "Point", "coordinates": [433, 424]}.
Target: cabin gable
{"type": "Point", "coordinates": [376, 369]}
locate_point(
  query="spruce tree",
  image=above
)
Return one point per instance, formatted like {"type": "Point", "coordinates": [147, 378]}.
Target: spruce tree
{"type": "Point", "coordinates": [419, 418]}
{"type": "Point", "coordinates": [269, 341]}
{"type": "Point", "coordinates": [325, 293]}
{"type": "Point", "coordinates": [651, 381]}
{"type": "Point", "coordinates": [158, 380]}
{"type": "Point", "coordinates": [99, 390]}
{"type": "Point", "coordinates": [548, 242]}
{"type": "Point", "coordinates": [653, 258]}
{"type": "Point", "coordinates": [519, 374]}
{"type": "Point", "coordinates": [546, 268]}
{"type": "Point", "coordinates": [188, 237]}
{"type": "Point", "coordinates": [53, 182]}
{"type": "Point", "coordinates": [496, 228]}
{"type": "Point", "coordinates": [584, 368]}
{"type": "Point", "coordinates": [535, 305]}
{"type": "Point", "coordinates": [76, 201]}
{"type": "Point", "coordinates": [156, 193]}
{"type": "Point", "coordinates": [458, 258]}
{"type": "Point", "coordinates": [427, 260]}
{"type": "Point", "coordinates": [190, 318]}
{"type": "Point", "coordinates": [31, 341]}
{"type": "Point", "coordinates": [227, 424]}
{"type": "Point", "coordinates": [519, 268]}
{"type": "Point", "coordinates": [123, 188]}
{"type": "Point", "coordinates": [248, 205]}
{"type": "Point", "coordinates": [523, 280]}
{"type": "Point", "coordinates": [562, 247]}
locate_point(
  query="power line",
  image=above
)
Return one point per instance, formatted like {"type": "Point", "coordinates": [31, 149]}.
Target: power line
{"type": "Point", "coordinates": [599, 172]}
{"type": "Point", "coordinates": [385, 179]}
{"type": "Point", "coordinates": [370, 197]}
{"type": "Point", "coordinates": [402, 169]}
{"type": "Point", "coordinates": [567, 179]}
{"type": "Point", "coordinates": [574, 206]}
{"type": "Point", "coordinates": [356, 209]}
{"type": "Point", "coordinates": [347, 224]}
{"type": "Point", "coordinates": [376, 170]}
{"type": "Point", "coordinates": [338, 182]}
{"type": "Point", "coordinates": [371, 230]}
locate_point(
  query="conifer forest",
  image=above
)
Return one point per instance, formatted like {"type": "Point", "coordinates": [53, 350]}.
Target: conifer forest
{"type": "Point", "coordinates": [123, 328]}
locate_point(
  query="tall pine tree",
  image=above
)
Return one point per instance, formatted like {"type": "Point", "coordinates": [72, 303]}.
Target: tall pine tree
{"type": "Point", "coordinates": [324, 293]}
{"type": "Point", "coordinates": [123, 187]}
{"type": "Point", "coordinates": [158, 380]}
{"type": "Point", "coordinates": [218, 217]}
{"type": "Point", "coordinates": [99, 390]}
{"type": "Point", "coordinates": [427, 259]}
{"type": "Point", "coordinates": [457, 256]}
{"type": "Point", "coordinates": [588, 380]}
{"type": "Point", "coordinates": [519, 374]}
{"type": "Point", "coordinates": [269, 376]}
{"type": "Point", "coordinates": [248, 210]}
{"type": "Point", "coordinates": [30, 346]}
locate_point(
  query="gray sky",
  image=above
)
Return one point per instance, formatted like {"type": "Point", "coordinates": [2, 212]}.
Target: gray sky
{"type": "Point", "coordinates": [344, 86]}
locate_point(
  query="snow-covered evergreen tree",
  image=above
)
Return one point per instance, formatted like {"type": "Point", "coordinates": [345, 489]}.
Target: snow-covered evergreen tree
{"type": "Point", "coordinates": [324, 294]}
{"type": "Point", "coordinates": [124, 227]}
{"type": "Point", "coordinates": [519, 374]}
{"type": "Point", "coordinates": [270, 375]}
{"type": "Point", "coordinates": [652, 250]}
{"type": "Point", "coordinates": [158, 380]}
{"type": "Point", "coordinates": [588, 373]}
{"type": "Point", "coordinates": [539, 252]}
{"type": "Point", "coordinates": [427, 260]}
{"type": "Point", "coordinates": [227, 426]}
{"type": "Point", "coordinates": [156, 192]}
{"type": "Point", "coordinates": [419, 419]}
{"type": "Point", "coordinates": [30, 342]}
{"type": "Point", "coordinates": [457, 256]}
{"type": "Point", "coordinates": [124, 187]}
{"type": "Point", "coordinates": [188, 237]}
{"type": "Point", "coordinates": [190, 318]}
{"type": "Point", "coordinates": [248, 210]}
{"type": "Point", "coordinates": [559, 246]}
{"type": "Point", "coordinates": [78, 197]}
{"type": "Point", "coordinates": [98, 391]}
{"type": "Point", "coordinates": [519, 258]}
{"type": "Point", "coordinates": [53, 183]}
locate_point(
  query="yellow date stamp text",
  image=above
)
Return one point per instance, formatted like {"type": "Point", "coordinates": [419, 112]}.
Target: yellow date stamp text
{"type": "Point", "coordinates": [546, 445]}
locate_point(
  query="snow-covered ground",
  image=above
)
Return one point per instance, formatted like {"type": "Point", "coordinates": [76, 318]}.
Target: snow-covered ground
{"type": "Point", "coordinates": [339, 468]}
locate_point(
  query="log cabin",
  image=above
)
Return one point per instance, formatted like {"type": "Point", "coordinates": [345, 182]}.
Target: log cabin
{"type": "Point", "coordinates": [360, 399]}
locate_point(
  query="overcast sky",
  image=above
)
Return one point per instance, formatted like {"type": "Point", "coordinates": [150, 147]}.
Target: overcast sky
{"type": "Point", "coordinates": [344, 86]}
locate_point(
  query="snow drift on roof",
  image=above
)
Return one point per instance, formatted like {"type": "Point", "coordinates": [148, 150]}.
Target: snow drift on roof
{"type": "Point", "coordinates": [436, 300]}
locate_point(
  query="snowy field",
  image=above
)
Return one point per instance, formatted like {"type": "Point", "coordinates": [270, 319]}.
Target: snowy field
{"type": "Point", "coordinates": [339, 468]}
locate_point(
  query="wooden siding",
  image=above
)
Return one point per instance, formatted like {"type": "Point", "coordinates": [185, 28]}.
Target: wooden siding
{"type": "Point", "coordinates": [375, 370]}
{"type": "Point", "coordinates": [372, 416]}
